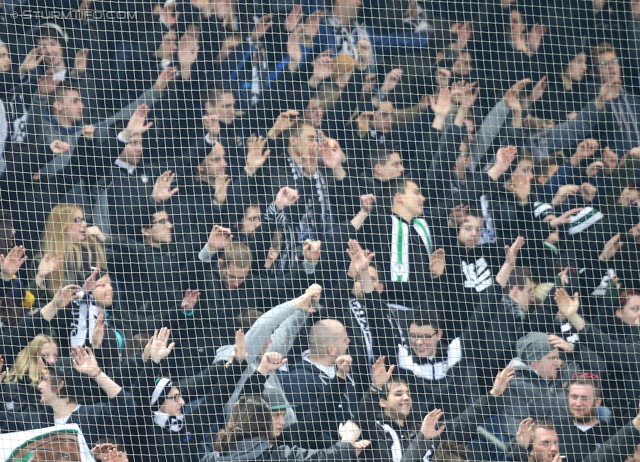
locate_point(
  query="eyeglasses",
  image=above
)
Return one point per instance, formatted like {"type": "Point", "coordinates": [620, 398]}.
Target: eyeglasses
{"type": "Point", "coordinates": [79, 220]}
{"type": "Point", "coordinates": [175, 397]}
{"type": "Point", "coordinates": [609, 62]}
{"type": "Point", "coordinates": [161, 221]}
{"type": "Point", "coordinates": [423, 337]}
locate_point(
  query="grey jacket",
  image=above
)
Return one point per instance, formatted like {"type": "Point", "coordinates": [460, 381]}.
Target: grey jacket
{"type": "Point", "coordinates": [282, 324]}
{"type": "Point", "coordinates": [526, 392]}
{"type": "Point", "coordinates": [258, 449]}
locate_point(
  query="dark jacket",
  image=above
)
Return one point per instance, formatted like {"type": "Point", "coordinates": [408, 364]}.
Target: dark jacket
{"type": "Point", "coordinates": [261, 450]}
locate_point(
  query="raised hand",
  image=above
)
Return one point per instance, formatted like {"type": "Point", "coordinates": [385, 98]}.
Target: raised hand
{"type": "Point", "coordinates": [219, 238]}
{"type": "Point", "coordinates": [81, 62]}
{"type": "Point", "coordinates": [523, 436]}
{"type": "Point", "coordinates": [211, 123]}
{"type": "Point", "coordinates": [537, 93]}
{"type": "Point", "coordinates": [286, 197]}
{"type": "Point", "coordinates": [311, 27]}
{"type": "Point", "coordinates": [323, 66]}
{"type": "Point", "coordinates": [158, 346]}
{"type": "Point", "coordinates": [284, 122]}
{"type": "Point", "coordinates": [294, 48]}
{"type": "Point", "coordinates": [512, 250]}
{"type": "Point", "coordinates": [262, 27]}
{"type": "Point", "coordinates": [534, 39]}
{"type": "Point", "coordinates": [162, 188]}
{"type": "Point", "coordinates": [164, 78]}
{"type": "Point", "coordinates": [429, 427]}
{"type": "Point", "coordinates": [48, 265]}
{"type": "Point", "coordinates": [565, 218]}
{"type": "Point", "coordinates": [309, 300]}
{"type": "Point", "coordinates": [98, 332]}
{"type": "Point", "coordinates": [512, 96]}
{"type": "Point", "coordinates": [391, 80]}
{"type": "Point", "coordinates": [136, 124]}
{"type": "Point", "coordinates": [363, 121]}
{"type": "Point", "coordinates": [96, 233]}
{"type": "Point", "coordinates": [311, 250]}
{"type": "Point", "coordinates": [343, 365]}
{"type": "Point", "coordinates": [594, 168]}
{"type": "Point", "coordinates": [239, 352]}
{"type": "Point", "coordinates": [505, 156]}
{"type": "Point", "coordinates": [256, 154]}
{"type": "Point", "coordinates": [293, 18]}
{"type": "Point", "coordinates": [585, 149]}
{"type": "Point", "coordinates": [611, 248]}
{"type": "Point", "coordinates": [360, 260]}
{"type": "Point", "coordinates": [188, 49]}
{"type": "Point", "coordinates": [367, 202]}
{"type": "Point", "coordinates": [65, 295]}
{"type": "Point", "coordinates": [567, 306]}
{"type": "Point", "coordinates": [190, 299]}
{"type": "Point", "coordinates": [502, 380]}
{"type": "Point", "coordinates": [381, 374]}
{"type": "Point", "coordinates": [560, 343]}
{"type": "Point", "coordinates": [32, 60]}
{"type": "Point", "coordinates": [271, 362]}
{"type": "Point", "coordinates": [221, 189]}
{"type": "Point", "coordinates": [91, 283]}
{"type": "Point", "coordinates": [363, 50]}
{"type": "Point", "coordinates": [441, 104]}
{"type": "Point", "coordinates": [12, 263]}
{"type": "Point", "coordinates": [84, 361]}
{"type": "Point", "coordinates": [563, 193]}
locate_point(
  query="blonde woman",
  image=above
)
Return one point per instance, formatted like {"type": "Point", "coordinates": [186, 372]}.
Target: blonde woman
{"type": "Point", "coordinates": [19, 388]}
{"type": "Point", "coordinates": [69, 249]}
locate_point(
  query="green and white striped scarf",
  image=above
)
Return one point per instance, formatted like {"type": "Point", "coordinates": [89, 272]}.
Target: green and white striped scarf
{"type": "Point", "coordinates": [400, 240]}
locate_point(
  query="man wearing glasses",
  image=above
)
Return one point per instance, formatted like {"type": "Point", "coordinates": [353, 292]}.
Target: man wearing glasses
{"type": "Point", "coordinates": [437, 373]}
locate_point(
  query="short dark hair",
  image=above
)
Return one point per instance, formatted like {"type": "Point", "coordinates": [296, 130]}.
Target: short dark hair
{"type": "Point", "coordinates": [213, 94]}
{"type": "Point", "coordinates": [379, 155]}
{"type": "Point", "coordinates": [60, 92]}
{"type": "Point", "coordinates": [391, 383]}
{"type": "Point", "coordinates": [450, 451]}
{"type": "Point", "coordinates": [425, 316]}
{"type": "Point", "coordinates": [518, 278]}
{"type": "Point", "coordinates": [395, 186]}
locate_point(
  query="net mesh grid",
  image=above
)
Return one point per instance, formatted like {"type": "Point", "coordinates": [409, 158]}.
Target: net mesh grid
{"type": "Point", "coordinates": [384, 230]}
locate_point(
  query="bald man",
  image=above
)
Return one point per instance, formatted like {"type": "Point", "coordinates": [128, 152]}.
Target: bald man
{"type": "Point", "coordinates": [321, 387]}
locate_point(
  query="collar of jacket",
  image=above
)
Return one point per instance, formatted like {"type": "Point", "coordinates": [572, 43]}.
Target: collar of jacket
{"type": "Point", "coordinates": [249, 450]}
{"type": "Point", "coordinates": [512, 307]}
{"type": "Point", "coordinates": [64, 130]}
{"type": "Point", "coordinates": [170, 423]}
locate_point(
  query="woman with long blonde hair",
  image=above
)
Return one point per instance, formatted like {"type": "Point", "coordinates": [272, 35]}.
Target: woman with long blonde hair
{"type": "Point", "coordinates": [19, 388]}
{"type": "Point", "coordinates": [69, 249]}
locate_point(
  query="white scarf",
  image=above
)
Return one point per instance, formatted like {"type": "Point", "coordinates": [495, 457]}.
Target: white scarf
{"type": "Point", "coordinates": [175, 422]}
{"type": "Point", "coordinates": [85, 314]}
{"type": "Point", "coordinates": [400, 241]}
{"type": "Point", "coordinates": [436, 371]}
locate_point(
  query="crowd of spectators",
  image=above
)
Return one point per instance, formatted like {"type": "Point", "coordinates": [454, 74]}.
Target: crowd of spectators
{"type": "Point", "coordinates": [392, 231]}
